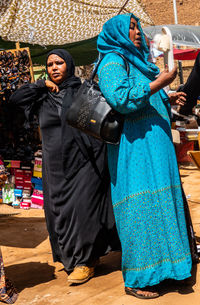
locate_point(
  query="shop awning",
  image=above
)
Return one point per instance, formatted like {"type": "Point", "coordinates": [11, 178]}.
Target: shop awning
{"type": "Point", "coordinates": [70, 24]}
{"type": "Point", "coordinates": [188, 54]}
{"type": "Point", "coordinates": [183, 54]}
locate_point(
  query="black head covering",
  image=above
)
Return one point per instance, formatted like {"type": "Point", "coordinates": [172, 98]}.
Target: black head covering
{"type": "Point", "coordinates": [68, 87]}
{"type": "Point", "coordinates": [71, 80]}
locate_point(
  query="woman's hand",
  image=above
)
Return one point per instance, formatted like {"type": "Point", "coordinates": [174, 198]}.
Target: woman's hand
{"type": "Point", "coordinates": [167, 77]}
{"type": "Point", "coordinates": [51, 86]}
{"type": "Point", "coordinates": [163, 80]}
{"type": "Point", "coordinates": [177, 98]}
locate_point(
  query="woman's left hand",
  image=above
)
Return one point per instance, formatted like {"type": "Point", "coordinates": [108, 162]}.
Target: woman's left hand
{"type": "Point", "coordinates": [177, 98]}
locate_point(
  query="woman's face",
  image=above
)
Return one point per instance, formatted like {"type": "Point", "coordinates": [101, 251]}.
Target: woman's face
{"type": "Point", "coordinates": [134, 33]}
{"type": "Point", "coordinates": [56, 68]}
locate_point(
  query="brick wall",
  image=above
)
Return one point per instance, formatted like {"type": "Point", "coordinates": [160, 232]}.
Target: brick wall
{"type": "Point", "coordinates": [161, 11]}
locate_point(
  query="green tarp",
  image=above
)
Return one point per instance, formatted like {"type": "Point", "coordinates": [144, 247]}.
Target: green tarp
{"type": "Point", "coordinates": [83, 52]}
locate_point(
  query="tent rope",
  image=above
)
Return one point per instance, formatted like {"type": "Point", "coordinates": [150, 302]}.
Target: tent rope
{"type": "Point", "coordinates": [123, 6]}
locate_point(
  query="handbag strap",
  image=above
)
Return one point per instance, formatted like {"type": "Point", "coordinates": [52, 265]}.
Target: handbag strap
{"type": "Point", "coordinates": [122, 56]}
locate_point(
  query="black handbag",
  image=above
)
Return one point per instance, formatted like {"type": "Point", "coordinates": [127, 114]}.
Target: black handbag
{"type": "Point", "coordinates": [91, 113]}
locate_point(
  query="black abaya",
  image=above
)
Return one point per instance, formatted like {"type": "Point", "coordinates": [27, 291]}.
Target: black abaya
{"type": "Point", "coordinates": [191, 88]}
{"type": "Point", "coordinates": [79, 208]}
{"type": "Point", "coordinates": [76, 181]}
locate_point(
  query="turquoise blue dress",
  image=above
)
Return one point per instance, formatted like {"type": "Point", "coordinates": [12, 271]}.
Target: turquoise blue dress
{"type": "Point", "coordinates": [146, 188]}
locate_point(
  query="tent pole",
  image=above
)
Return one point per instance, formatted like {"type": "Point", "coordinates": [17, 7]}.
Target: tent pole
{"type": "Point", "coordinates": [180, 72]}
{"type": "Point", "coordinates": [175, 12]}
{"type": "Point", "coordinates": [180, 68]}
{"type": "Point", "coordinates": [17, 45]}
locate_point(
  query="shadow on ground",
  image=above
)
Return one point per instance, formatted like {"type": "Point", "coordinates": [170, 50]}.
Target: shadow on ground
{"type": "Point", "coordinates": [109, 263]}
{"type": "Point", "coordinates": [182, 287]}
{"type": "Point", "coordinates": [22, 232]}
{"type": "Point", "coordinates": [30, 274]}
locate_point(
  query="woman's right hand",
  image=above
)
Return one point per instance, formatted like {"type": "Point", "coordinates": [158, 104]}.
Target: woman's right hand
{"type": "Point", "coordinates": [164, 79]}
{"type": "Point", "coordinates": [167, 77]}
{"type": "Point", "coordinates": [51, 86]}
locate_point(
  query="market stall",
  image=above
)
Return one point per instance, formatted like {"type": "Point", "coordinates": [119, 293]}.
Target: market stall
{"type": "Point", "coordinates": [18, 144]}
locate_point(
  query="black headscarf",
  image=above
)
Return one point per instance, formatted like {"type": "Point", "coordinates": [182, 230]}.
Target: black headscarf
{"type": "Point", "coordinates": [71, 80]}
{"type": "Point", "coordinates": [69, 85]}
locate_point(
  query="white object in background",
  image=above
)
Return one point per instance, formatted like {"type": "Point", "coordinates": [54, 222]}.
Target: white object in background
{"type": "Point", "coordinates": [168, 54]}
{"type": "Point", "coordinates": [176, 136]}
{"type": "Point", "coordinates": [163, 42]}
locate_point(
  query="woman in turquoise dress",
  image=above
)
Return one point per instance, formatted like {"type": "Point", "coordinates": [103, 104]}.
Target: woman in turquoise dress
{"type": "Point", "coordinates": [146, 188]}
{"type": "Point", "coordinates": [8, 293]}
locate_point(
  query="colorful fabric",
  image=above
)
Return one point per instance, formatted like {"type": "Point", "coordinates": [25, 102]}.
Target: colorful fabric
{"type": "Point", "coordinates": [145, 182]}
{"type": "Point", "coordinates": [8, 293]}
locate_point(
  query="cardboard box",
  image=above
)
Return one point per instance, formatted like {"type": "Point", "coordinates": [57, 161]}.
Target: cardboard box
{"type": "Point", "coordinates": [19, 173]}
{"type": "Point", "coordinates": [25, 203]}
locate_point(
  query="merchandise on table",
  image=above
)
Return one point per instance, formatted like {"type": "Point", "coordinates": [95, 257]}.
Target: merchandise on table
{"type": "Point", "coordinates": [37, 196]}
{"type": "Point", "coordinates": [18, 198]}
{"type": "Point", "coordinates": [37, 171]}
{"type": "Point", "coordinates": [15, 163]}
{"type": "Point", "coordinates": [23, 179]}
{"type": "Point", "coordinates": [26, 193]}
{"type": "Point", "coordinates": [37, 199]}
{"type": "Point", "coordinates": [8, 193]}
{"type": "Point", "coordinates": [25, 203]}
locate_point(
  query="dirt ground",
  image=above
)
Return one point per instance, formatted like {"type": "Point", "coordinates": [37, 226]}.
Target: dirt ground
{"type": "Point", "coordinates": [28, 260]}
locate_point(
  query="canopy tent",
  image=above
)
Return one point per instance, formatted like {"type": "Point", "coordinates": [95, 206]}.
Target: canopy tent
{"type": "Point", "coordinates": [182, 35]}
{"type": "Point", "coordinates": [71, 24]}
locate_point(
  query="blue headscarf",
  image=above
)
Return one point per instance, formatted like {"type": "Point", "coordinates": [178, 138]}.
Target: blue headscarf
{"type": "Point", "coordinates": [115, 37]}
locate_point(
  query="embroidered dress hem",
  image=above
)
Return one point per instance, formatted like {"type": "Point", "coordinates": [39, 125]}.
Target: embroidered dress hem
{"type": "Point", "coordinates": [134, 279]}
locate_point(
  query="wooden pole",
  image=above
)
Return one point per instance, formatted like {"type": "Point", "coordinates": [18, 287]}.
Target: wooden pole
{"type": "Point", "coordinates": [31, 66]}
{"type": "Point", "coordinates": [17, 44]}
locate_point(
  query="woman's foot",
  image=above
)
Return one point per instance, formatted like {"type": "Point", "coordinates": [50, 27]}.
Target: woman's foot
{"type": "Point", "coordinates": [141, 294]}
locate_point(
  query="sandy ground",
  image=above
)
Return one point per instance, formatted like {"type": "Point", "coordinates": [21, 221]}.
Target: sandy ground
{"type": "Point", "coordinates": [28, 260]}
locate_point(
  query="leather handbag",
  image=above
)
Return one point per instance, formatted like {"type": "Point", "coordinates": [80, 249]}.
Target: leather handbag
{"type": "Point", "coordinates": [91, 114]}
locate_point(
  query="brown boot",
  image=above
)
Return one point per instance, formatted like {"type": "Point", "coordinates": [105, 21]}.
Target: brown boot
{"type": "Point", "coordinates": [80, 275]}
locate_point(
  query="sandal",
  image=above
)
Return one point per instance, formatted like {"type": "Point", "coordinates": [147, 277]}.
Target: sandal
{"type": "Point", "coordinates": [134, 292]}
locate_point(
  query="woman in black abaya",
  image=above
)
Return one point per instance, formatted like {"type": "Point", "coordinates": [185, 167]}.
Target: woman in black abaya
{"type": "Point", "coordinates": [191, 88]}
{"type": "Point", "coordinates": [76, 182]}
